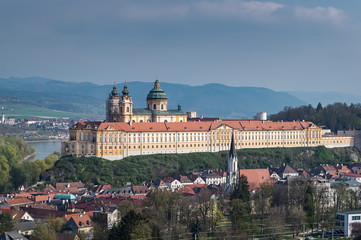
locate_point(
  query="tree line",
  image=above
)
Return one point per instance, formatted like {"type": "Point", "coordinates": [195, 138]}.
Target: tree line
{"type": "Point", "coordinates": [14, 171]}
{"type": "Point", "coordinates": [337, 116]}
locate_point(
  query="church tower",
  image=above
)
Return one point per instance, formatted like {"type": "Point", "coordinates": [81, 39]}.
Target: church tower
{"type": "Point", "coordinates": [232, 170]}
{"type": "Point", "coordinates": [112, 106]}
{"type": "Point", "coordinates": [126, 105]}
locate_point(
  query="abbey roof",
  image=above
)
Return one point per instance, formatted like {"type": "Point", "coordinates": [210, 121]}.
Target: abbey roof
{"type": "Point", "coordinates": [241, 125]}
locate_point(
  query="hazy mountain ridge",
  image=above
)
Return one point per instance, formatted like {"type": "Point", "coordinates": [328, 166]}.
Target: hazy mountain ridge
{"type": "Point", "coordinates": [325, 98]}
{"type": "Point", "coordinates": [213, 99]}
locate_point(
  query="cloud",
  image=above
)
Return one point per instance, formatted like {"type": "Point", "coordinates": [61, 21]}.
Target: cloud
{"type": "Point", "coordinates": [251, 10]}
{"type": "Point", "coordinates": [321, 14]}
{"type": "Point", "coordinates": [145, 12]}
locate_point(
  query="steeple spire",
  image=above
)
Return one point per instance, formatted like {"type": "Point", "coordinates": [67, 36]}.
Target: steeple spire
{"type": "Point", "coordinates": [232, 150]}
{"type": "Point", "coordinates": [232, 169]}
{"type": "Point", "coordinates": [125, 90]}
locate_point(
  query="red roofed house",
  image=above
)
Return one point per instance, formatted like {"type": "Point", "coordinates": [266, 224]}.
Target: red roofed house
{"type": "Point", "coordinates": [340, 168]}
{"type": "Point", "coordinates": [19, 201]}
{"type": "Point", "coordinates": [196, 179]}
{"type": "Point", "coordinates": [274, 176]}
{"type": "Point", "coordinates": [286, 171]}
{"type": "Point", "coordinates": [172, 183]}
{"type": "Point", "coordinates": [323, 169]}
{"type": "Point", "coordinates": [79, 223]}
{"type": "Point", "coordinates": [185, 180]}
{"type": "Point", "coordinates": [17, 215]}
{"type": "Point", "coordinates": [140, 190]}
{"type": "Point", "coordinates": [255, 177]}
{"type": "Point", "coordinates": [352, 176]}
{"type": "Point", "coordinates": [213, 178]}
{"type": "Point", "coordinates": [99, 188]}
{"type": "Point", "coordinates": [70, 187]}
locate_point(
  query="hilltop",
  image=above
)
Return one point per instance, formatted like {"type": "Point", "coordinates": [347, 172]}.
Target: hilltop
{"type": "Point", "coordinates": [213, 100]}
{"type": "Point", "coordinates": [151, 167]}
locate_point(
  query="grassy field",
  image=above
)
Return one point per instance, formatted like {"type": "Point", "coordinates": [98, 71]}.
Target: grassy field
{"type": "Point", "coordinates": [27, 111]}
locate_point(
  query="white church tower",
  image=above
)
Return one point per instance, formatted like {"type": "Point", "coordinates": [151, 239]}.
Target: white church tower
{"type": "Point", "coordinates": [232, 170]}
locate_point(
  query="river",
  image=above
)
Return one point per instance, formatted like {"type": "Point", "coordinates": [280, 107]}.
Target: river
{"type": "Point", "coordinates": [44, 148]}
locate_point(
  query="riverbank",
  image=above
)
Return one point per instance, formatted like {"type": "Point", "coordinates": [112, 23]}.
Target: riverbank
{"type": "Point", "coordinates": [45, 140]}
{"type": "Point", "coordinates": [29, 156]}
{"type": "Point", "coordinates": [44, 148]}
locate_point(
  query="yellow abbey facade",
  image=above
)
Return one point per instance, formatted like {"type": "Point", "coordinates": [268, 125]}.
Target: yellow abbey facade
{"type": "Point", "coordinates": [126, 133]}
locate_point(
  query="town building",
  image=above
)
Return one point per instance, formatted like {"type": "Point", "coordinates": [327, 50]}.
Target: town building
{"type": "Point", "coordinates": [344, 221]}
{"type": "Point", "coordinates": [156, 129]}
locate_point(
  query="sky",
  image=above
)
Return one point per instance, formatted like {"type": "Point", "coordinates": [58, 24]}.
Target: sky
{"type": "Point", "coordinates": [289, 45]}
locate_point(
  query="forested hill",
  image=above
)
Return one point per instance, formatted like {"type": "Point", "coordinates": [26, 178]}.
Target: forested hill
{"type": "Point", "coordinates": [337, 116]}
{"type": "Point", "coordinates": [137, 169]}
{"type": "Point", "coordinates": [213, 100]}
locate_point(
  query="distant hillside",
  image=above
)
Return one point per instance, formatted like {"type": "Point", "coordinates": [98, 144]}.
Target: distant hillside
{"type": "Point", "coordinates": [326, 98]}
{"type": "Point", "coordinates": [151, 167]}
{"type": "Point", "coordinates": [214, 100]}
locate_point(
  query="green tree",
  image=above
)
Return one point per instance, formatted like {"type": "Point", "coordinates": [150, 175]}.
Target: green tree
{"type": "Point", "coordinates": [205, 205]}
{"type": "Point", "coordinates": [4, 173]}
{"type": "Point", "coordinates": [240, 215]}
{"type": "Point", "coordinates": [43, 232]}
{"type": "Point", "coordinates": [241, 190]}
{"type": "Point", "coordinates": [124, 207]}
{"type": "Point", "coordinates": [5, 223]}
{"type": "Point", "coordinates": [319, 107]}
{"type": "Point", "coordinates": [309, 206]}
{"type": "Point", "coordinates": [196, 228]}
{"type": "Point", "coordinates": [58, 225]}
{"type": "Point", "coordinates": [262, 201]}
{"type": "Point", "coordinates": [296, 216]}
{"type": "Point", "coordinates": [132, 226]}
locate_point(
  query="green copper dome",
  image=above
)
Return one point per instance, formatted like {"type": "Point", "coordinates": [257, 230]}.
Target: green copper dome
{"type": "Point", "coordinates": [157, 93]}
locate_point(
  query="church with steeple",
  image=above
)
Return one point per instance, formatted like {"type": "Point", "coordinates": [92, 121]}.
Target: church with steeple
{"type": "Point", "coordinates": [119, 108]}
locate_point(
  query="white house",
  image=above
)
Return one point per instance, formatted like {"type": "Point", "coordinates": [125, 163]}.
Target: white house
{"type": "Point", "coordinates": [344, 221]}
{"type": "Point", "coordinates": [172, 183]}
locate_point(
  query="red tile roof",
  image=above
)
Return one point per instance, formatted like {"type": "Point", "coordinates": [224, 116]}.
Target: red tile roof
{"type": "Point", "coordinates": [140, 190]}
{"type": "Point", "coordinates": [184, 179]}
{"type": "Point", "coordinates": [62, 186]}
{"type": "Point", "coordinates": [19, 201]}
{"type": "Point", "coordinates": [255, 176]}
{"type": "Point", "coordinates": [329, 168]}
{"type": "Point", "coordinates": [187, 190]}
{"type": "Point", "coordinates": [101, 187]}
{"type": "Point", "coordinates": [15, 215]}
{"type": "Point", "coordinates": [251, 125]}
{"type": "Point", "coordinates": [352, 175]}
{"type": "Point", "coordinates": [342, 169]}
{"type": "Point", "coordinates": [81, 220]}
{"type": "Point", "coordinates": [168, 179]}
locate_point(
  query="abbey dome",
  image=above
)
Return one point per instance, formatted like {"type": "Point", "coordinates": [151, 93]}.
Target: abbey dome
{"type": "Point", "coordinates": [157, 93]}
